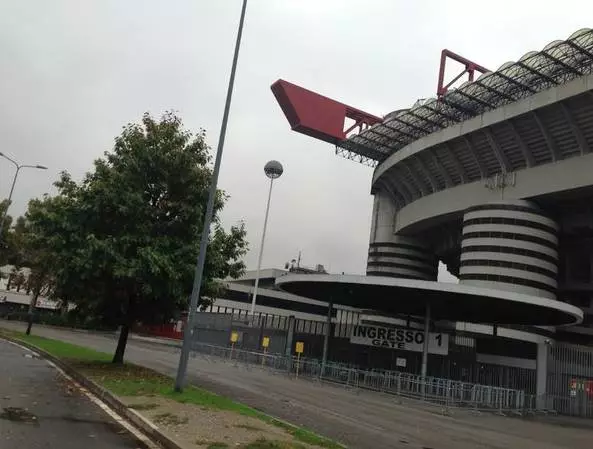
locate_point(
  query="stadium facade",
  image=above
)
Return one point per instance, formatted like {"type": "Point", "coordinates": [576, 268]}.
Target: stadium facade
{"type": "Point", "coordinates": [495, 179]}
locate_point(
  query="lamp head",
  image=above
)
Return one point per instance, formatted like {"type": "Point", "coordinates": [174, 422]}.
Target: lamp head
{"type": "Point", "coordinates": [273, 169]}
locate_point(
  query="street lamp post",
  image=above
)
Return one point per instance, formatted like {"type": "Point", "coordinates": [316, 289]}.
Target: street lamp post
{"type": "Point", "coordinates": [16, 174]}
{"type": "Point", "coordinates": [199, 270]}
{"type": "Point", "coordinates": [273, 170]}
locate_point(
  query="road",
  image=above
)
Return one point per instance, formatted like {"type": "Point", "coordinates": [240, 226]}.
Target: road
{"type": "Point", "coordinates": [39, 408]}
{"type": "Point", "coordinates": [365, 420]}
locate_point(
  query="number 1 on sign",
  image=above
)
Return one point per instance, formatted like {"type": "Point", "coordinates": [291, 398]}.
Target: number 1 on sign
{"type": "Point", "coordinates": [439, 339]}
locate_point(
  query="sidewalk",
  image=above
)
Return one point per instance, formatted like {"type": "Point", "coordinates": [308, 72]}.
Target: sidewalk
{"type": "Point", "coordinates": [40, 409]}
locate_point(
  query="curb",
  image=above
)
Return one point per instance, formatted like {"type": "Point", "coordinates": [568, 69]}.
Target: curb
{"type": "Point", "coordinates": [163, 341]}
{"type": "Point", "coordinates": [146, 427]}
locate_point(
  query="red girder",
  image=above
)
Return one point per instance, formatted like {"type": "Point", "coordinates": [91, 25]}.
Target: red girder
{"type": "Point", "coordinates": [470, 68]}
{"type": "Point", "coordinates": [317, 116]}
{"type": "Point", "coordinates": [325, 119]}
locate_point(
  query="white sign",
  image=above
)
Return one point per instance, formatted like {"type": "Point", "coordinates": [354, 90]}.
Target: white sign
{"type": "Point", "coordinates": [399, 338]}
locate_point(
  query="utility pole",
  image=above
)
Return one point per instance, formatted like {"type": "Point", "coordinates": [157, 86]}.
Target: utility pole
{"type": "Point", "coordinates": [195, 294]}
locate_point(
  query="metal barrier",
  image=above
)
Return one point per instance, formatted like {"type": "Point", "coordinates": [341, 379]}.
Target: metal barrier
{"type": "Point", "coordinates": [570, 380]}
{"type": "Point", "coordinates": [442, 392]}
{"type": "Point", "coordinates": [577, 405]}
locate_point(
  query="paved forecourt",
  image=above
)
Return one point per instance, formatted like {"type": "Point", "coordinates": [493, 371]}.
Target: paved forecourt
{"type": "Point", "coordinates": [360, 419]}
{"type": "Point", "coordinates": [39, 408]}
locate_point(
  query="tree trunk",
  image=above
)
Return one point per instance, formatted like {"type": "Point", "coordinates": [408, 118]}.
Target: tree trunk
{"type": "Point", "coordinates": [32, 306]}
{"type": "Point", "coordinates": [121, 344]}
{"type": "Point", "coordinates": [118, 357]}
{"type": "Point", "coordinates": [29, 323]}
{"type": "Point", "coordinates": [64, 307]}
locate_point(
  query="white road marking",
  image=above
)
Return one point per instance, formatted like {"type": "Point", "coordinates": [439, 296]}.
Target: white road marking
{"type": "Point", "coordinates": [110, 412]}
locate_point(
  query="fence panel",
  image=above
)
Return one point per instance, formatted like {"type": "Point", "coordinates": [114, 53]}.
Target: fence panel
{"type": "Point", "coordinates": [444, 392]}
{"type": "Point", "coordinates": [570, 379]}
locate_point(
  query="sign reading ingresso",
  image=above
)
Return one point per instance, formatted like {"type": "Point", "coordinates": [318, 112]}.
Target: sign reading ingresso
{"type": "Point", "coordinates": [399, 338]}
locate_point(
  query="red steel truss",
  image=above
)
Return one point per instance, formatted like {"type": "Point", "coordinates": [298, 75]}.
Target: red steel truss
{"type": "Point", "coordinates": [470, 69]}
{"type": "Point", "coordinates": [317, 116]}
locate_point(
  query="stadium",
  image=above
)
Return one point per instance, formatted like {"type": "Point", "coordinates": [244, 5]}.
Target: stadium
{"type": "Point", "coordinates": [494, 178]}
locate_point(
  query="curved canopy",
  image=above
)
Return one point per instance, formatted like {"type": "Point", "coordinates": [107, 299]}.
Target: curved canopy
{"type": "Point", "coordinates": [452, 302]}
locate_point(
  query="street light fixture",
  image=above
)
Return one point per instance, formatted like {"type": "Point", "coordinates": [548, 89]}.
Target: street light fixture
{"type": "Point", "coordinates": [273, 170]}
{"type": "Point", "coordinates": [16, 174]}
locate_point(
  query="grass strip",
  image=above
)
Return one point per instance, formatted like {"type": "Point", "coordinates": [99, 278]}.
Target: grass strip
{"type": "Point", "coordinates": [133, 380]}
{"type": "Point", "coordinates": [61, 349]}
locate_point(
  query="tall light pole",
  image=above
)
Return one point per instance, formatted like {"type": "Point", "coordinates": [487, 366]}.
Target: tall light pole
{"type": "Point", "coordinates": [273, 170]}
{"type": "Point", "coordinates": [199, 271]}
{"type": "Point", "coordinates": [16, 174]}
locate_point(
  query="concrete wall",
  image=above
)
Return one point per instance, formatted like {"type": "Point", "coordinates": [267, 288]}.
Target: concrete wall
{"type": "Point", "coordinates": [561, 176]}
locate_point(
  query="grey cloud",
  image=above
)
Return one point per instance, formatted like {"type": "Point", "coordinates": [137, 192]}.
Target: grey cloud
{"type": "Point", "coordinates": [74, 72]}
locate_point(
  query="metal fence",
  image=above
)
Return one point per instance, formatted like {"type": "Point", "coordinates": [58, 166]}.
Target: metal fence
{"type": "Point", "coordinates": [445, 393]}
{"type": "Point", "coordinates": [459, 380]}
{"type": "Point", "coordinates": [570, 380]}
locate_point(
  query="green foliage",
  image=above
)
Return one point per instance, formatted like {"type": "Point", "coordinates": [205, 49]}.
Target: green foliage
{"type": "Point", "coordinates": [4, 204]}
{"type": "Point", "coordinates": [9, 248]}
{"type": "Point", "coordinates": [20, 250]}
{"type": "Point", "coordinates": [122, 244]}
{"type": "Point", "coordinates": [71, 320]}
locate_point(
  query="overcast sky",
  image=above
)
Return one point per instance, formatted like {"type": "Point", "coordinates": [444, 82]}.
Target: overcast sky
{"type": "Point", "coordinates": [73, 73]}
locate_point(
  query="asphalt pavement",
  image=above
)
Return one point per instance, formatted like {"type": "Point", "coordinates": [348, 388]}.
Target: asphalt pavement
{"type": "Point", "coordinates": [360, 419]}
{"type": "Point", "coordinates": [39, 408]}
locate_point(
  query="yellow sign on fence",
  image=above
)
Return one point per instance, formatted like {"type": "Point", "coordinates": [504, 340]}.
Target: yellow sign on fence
{"type": "Point", "coordinates": [266, 342]}
{"type": "Point", "coordinates": [300, 347]}
{"type": "Point", "coordinates": [234, 337]}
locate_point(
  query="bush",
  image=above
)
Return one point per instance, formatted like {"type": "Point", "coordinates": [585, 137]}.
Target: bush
{"type": "Point", "coordinates": [55, 318]}
{"type": "Point", "coordinates": [75, 321]}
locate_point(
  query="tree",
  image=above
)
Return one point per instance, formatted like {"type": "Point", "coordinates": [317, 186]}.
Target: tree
{"type": "Point", "coordinates": [123, 242]}
{"type": "Point", "coordinates": [25, 251]}
{"type": "Point", "coordinates": [5, 247]}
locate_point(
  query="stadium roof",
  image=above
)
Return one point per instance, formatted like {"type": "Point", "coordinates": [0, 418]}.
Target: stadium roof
{"type": "Point", "coordinates": [558, 63]}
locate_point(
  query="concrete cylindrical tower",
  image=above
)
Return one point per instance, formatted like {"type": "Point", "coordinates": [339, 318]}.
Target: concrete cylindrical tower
{"type": "Point", "coordinates": [401, 257]}
{"type": "Point", "coordinates": [510, 245]}
{"type": "Point", "coordinates": [393, 255]}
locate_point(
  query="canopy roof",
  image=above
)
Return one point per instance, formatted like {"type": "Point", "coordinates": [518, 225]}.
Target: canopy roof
{"type": "Point", "coordinates": [558, 63]}
{"type": "Point", "coordinates": [452, 302]}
